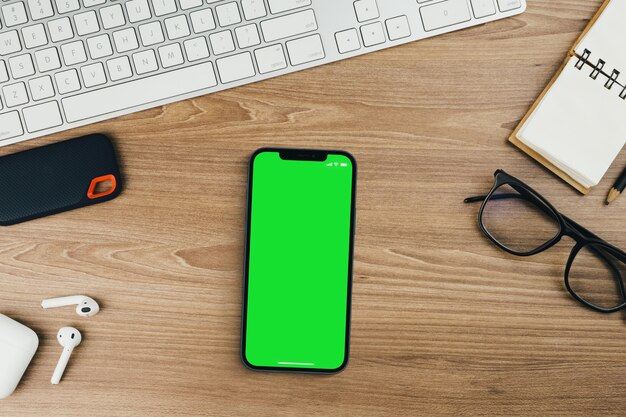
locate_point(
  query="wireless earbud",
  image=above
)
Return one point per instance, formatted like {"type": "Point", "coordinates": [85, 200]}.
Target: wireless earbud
{"type": "Point", "coordinates": [86, 307]}
{"type": "Point", "coordinates": [69, 338]}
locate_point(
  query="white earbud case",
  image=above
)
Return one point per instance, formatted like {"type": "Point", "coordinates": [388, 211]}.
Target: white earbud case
{"type": "Point", "coordinates": [18, 345]}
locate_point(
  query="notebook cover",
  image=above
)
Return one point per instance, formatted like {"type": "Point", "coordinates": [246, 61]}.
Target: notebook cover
{"type": "Point", "coordinates": [56, 178]}
{"type": "Point", "coordinates": [532, 153]}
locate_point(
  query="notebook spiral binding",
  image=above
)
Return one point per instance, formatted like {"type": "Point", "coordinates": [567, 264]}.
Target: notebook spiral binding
{"type": "Point", "coordinates": [597, 69]}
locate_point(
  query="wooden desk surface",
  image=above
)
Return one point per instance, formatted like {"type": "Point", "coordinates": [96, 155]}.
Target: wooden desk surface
{"type": "Point", "coordinates": [443, 322]}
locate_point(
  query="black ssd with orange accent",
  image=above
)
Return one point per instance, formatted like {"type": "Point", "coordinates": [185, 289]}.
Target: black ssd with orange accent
{"type": "Point", "coordinates": [58, 177]}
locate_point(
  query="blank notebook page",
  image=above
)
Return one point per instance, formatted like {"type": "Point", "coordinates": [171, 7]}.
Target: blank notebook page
{"type": "Point", "coordinates": [607, 39]}
{"type": "Point", "coordinates": [579, 125]}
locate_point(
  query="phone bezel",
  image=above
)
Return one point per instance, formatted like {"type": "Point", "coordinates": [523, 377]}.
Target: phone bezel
{"type": "Point", "coordinates": [305, 155]}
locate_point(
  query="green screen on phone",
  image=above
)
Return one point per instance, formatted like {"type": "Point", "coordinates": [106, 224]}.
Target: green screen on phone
{"type": "Point", "coordinates": [296, 306]}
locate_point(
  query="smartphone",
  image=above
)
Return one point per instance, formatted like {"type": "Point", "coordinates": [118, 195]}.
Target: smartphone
{"type": "Point", "coordinates": [298, 262]}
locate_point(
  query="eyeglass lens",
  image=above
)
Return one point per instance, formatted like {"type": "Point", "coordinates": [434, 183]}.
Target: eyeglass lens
{"type": "Point", "coordinates": [595, 276]}
{"type": "Point", "coordinates": [516, 222]}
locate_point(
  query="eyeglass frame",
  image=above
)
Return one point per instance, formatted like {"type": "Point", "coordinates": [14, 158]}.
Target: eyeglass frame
{"type": "Point", "coordinates": [567, 227]}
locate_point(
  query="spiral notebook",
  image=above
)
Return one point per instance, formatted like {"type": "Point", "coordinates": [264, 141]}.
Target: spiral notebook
{"type": "Point", "coordinates": [577, 127]}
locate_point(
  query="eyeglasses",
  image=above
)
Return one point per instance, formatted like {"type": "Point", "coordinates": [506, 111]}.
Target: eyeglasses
{"type": "Point", "coordinates": [520, 221]}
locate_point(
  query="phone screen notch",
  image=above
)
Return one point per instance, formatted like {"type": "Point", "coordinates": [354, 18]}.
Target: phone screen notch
{"type": "Point", "coordinates": [304, 155]}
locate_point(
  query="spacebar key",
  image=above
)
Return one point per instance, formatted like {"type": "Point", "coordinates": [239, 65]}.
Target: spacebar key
{"type": "Point", "coordinates": [139, 92]}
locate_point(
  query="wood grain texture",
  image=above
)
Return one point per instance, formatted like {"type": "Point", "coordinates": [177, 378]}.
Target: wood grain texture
{"type": "Point", "coordinates": [443, 322]}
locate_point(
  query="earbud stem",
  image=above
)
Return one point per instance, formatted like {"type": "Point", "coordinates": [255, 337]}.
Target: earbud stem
{"type": "Point", "coordinates": [62, 301]}
{"type": "Point", "coordinates": [61, 365]}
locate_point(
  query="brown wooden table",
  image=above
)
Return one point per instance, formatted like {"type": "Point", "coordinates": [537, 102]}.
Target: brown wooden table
{"type": "Point", "coordinates": [443, 323]}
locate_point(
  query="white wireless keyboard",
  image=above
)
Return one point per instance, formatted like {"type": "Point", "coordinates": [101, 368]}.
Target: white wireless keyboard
{"type": "Point", "coordinates": [67, 63]}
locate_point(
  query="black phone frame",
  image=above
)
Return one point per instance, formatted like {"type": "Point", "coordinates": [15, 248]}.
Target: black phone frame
{"type": "Point", "coordinates": [304, 155]}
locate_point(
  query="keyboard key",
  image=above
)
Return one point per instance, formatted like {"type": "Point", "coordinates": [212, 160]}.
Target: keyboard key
{"type": "Point", "coordinates": [40, 9]}
{"type": "Point", "coordinates": [483, 8]}
{"type": "Point", "coordinates": [119, 68]}
{"type": "Point", "coordinates": [112, 16]}
{"type": "Point", "coordinates": [270, 58]}
{"type": "Point", "coordinates": [507, 5]}
{"type": "Point", "coordinates": [398, 28]}
{"type": "Point", "coordinates": [91, 3]}
{"type": "Point", "coordinates": [10, 125]}
{"type": "Point", "coordinates": [145, 62]}
{"type": "Point", "coordinates": [9, 43]}
{"type": "Point", "coordinates": [347, 41]}
{"type": "Point", "coordinates": [14, 14]}
{"type": "Point", "coordinates": [288, 26]}
{"type": "Point", "coordinates": [189, 4]}
{"type": "Point", "coordinates": [15, 94]}
{"type": "Point", "coordinates": [93, 74]}
{"type": "Point", "coordinates": [163, 7]}
{"type": "Point", "coordinates": [60, 29]}
{"type": "Point", "coordinates": [279, 6]}
{"type": "Point", "coordinates": [446, 13]}
{"type": "Point", "coordinates": [125, 40]}
{"type": "Point", "coordinates": [66, 6]}
{"type": "Point", "coordinates": [228, 14]}
{"type": "Point", "coordinates": [177, 27]}
{"type": "Point", "coordinates": [196, 49]}
{"type": "Point", "coordinates": [139, 92]}
{"type": "Point", "coordinates": [302, 51]}
{"type": "Point", "coordinates": [99, 46]}
{"type": "Point", "coordinates": [151, 33]}
{"type": "Point", "coordinates": [236, 68]}
{"type": "Point", "coordinates": [34, 36]}
{"type": "Point", "coordinates": [21, 66]}
{"type": "Point", "coordinates": [86, 23]}
{"type": "Point", "coordinates": [67, 81]}
{"type": "Point", "coordinates": [171, 55]}
{"type": "Point", "coordinates": [47, 59]}
{"type": "Point", "coordinates": [73, 53]}
{"type": "Point", "coordinates": [253, 9]}
{"type": "Point", "coordinates": [42, 116]}
{"type": "Point", "coordinates": [41, 88]}
{"type": "Point", "coordinates": [138, 10]}
{"type": "Point", "coordinates": [222, 42]}
{"type": "Point", "coordinates": [366, 10]}
{"type": "Point", "coordinates": [373, 34]}
{"type": "Point", "coordinates": [247, 36]}
{"type": "Point", "coordinates": [202, 20]}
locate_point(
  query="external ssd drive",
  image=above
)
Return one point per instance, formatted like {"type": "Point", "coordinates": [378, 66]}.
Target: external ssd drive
{"type": "Point", "coordinates": [59, 177]}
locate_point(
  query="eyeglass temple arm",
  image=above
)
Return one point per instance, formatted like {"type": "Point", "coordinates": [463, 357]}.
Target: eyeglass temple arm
{"type": "Point", "coordinates": [476, 199]}
{"type": "Point", "coordinates": [580, 229]}
{"type": "Point", "coordinates": [504, 196]}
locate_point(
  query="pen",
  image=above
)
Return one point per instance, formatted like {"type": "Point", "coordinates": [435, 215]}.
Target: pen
{"type": "Point", "coordinates": [618, 188]}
